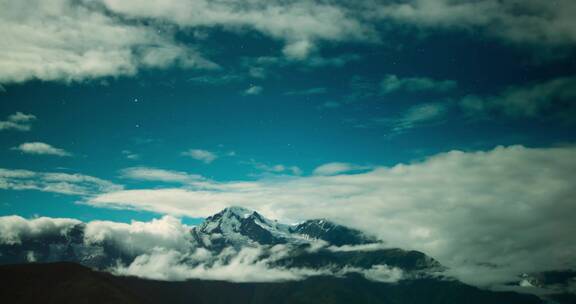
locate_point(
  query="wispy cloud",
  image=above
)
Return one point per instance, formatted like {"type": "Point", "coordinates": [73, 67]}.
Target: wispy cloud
{"type": "Point", "coordinates": [18, 121]}
{"type": "Point", "coordinates": [154, 174]}
{"type": "Point", "coordinates": [278, 168]}
{"type": "Point", "coordinates": [216, 79]}
{"type": "Point", "coordinates": [253, 90]}
{"type": "Point", "coordinates": [130, 155]}
{"type": "Point", "coordinates": [419, 115]}
{"type": "Point", "coordinates": [365, 89]}
{"type": "Point", "coordinates": [56, 182]}
{"type": "Point", "coordinates": [393, 83]}
{"type": "Point", "coordinates": [40, 148]}
{"type": "Point", "coordinates": [539, 23]}
{"type": "Point", "coordinates": [552, 98]}
{"type": "Point", "coordinates": [416, 116]}
{"type": "Point", "coordinates": [338, 168]}
{"type": "Point", "coordinates": [201, 155]}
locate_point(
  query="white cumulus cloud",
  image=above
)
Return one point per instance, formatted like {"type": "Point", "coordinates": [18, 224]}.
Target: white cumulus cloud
{"type": "Point", "coordinates": [201, 155]}
{"type": "Point", "coordinates": [76, 40]}
{"type": "Point", "coordinates": [40, 148]}
{"type": "Point", "coordinates": [14, 228]}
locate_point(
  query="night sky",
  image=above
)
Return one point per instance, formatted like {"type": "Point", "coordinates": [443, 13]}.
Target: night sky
{"type": "Point", "coordinates": [412, 116]}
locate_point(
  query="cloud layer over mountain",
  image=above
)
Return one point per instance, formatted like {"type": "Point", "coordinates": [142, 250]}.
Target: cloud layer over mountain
{"type": "Point", "coordinates": [461, 208]}
{"type": "Point", "coordinates": [165, 249]}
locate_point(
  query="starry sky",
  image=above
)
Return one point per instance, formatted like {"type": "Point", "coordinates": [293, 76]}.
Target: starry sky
{"type": "Point", "coordinates": [280, 92]}
{"type": "Point", "coordinates": [442, 126]}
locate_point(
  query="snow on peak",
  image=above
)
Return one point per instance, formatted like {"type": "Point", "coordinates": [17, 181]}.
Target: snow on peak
{"type": "Point", "coordinates": [239, 211]}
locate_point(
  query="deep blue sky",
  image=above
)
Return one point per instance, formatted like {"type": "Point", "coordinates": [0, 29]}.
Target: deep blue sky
{"type": "Point", "coordinates": [306, 113]}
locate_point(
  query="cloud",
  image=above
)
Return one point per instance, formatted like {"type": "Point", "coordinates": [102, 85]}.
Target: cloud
{"type": "Point", "coordinates": [298, 50]}
{"type": "Point", "coordinates": [138, 237]}
{"type": "Point", "coordinates": [419, 115]}
{"type": "Point", "coordinates": [40, 148]}
{"type": "Point", "coordinates": [165, 249]}
{"type": "Point", "coordinates": [17, 121]}
{"type": "Point", "coordinates": [130, 155]}
{"type": "Point", "coordinates": [279, 168]}
{"type": "Point", "coordinates": [201, 155]}
{"type": "Point", "coordinates": [253, 90]}
{"type": "Point", "coordinates": [160, 175]}
{"type": "Point", "coordinates": [337, 168]}
{"type": "Point", "coordinates": [259, 67]}
{"type": "Point", "coordinates": [303, 25]}
{"type": "Point", "coordinates": [13, 229]}
{"type": "Point", "coordinates": [379, 273]}
{"type": "Point", "coordinates": [55, 182]}
{"type": "Point", "coordinates": [245, 265]}
{"type": "Point", "coordinates": [365, 247]}
{"type": "Point", "coordinates": [109, 38]}
{"type": "Point", "coordinates": [215, 80]}
{"type": "Point", "coordinates": [533, 22]}
{"type": "Point", "coordinates": [299, 24]}
{"type": "Point", "coordinates": [65, 40]}
{"type": "Point", "coordinates": [249, 264]}
{"type": "Point", "coordinates": [392, 83]}
{"type": "Point", "coordinates": [362, 89]}
{"type": "Point", "coordinates": [552, 98]}
{"type": "Point", "coordinates": [489, 216]}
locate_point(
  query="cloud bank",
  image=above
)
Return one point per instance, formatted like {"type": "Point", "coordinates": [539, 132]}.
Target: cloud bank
{"type": "Point", "coordinates": [15, 228]}
{"type": "Point", "coordinates": [489, 216]}
{"type": "Point", "coordinates": [541, 23]}
{"type": "Point", "coordinates": [66, 40]}
{"type": "Point", "coordinates": [164, 249]}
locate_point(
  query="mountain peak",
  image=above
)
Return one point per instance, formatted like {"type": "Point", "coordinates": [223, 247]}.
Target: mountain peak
{"type": "Point", "coordinates": [238, 225]}
{"type": "Point", "coordinates": [237, 210]}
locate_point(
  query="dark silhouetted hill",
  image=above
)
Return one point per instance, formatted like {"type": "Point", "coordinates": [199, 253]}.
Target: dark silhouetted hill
{"type": "Point", "coordinates": [73, 283]}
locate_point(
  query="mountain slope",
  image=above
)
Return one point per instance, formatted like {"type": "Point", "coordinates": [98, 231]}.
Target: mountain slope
{"type": "Point", "coordinates": [332, 233]}
{"type": "Point", "coordinates": [237, 226]}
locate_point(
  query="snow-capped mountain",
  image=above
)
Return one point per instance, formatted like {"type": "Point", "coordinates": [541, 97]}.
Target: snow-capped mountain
{"type": "Point", "coordinates": [313, 244]}
{"type": "Point", "coordinates": [237, 226]}
{"type": "Point", "coordinates": [235, 244]}
{"type": "Point", "coordinates": [332, 233]}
